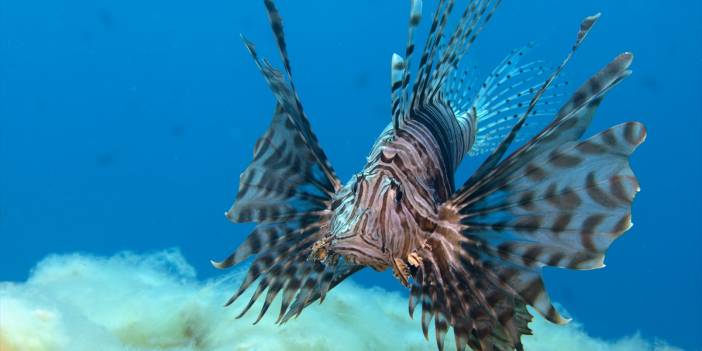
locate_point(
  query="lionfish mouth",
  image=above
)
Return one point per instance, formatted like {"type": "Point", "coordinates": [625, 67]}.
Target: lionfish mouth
{"type": "Point", "coordinates": [329, 250]}
{"type": "Point", "coordinates": [322, 252]}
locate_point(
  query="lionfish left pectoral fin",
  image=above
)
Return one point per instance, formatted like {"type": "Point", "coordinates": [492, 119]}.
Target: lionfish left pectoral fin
{"type": "Point", "coordinates": [287, 189]}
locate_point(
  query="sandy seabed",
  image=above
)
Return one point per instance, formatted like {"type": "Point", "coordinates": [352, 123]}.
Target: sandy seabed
{"type": "Point", "coordinates": [155, 302]}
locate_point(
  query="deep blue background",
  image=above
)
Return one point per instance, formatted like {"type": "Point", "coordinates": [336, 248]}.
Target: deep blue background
{"type": "Point", "coordinates": [124, 126]}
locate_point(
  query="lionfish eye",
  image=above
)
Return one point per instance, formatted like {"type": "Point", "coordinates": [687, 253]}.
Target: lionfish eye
{"type": "Point", "coordinates": [398, 196]}
{"type": "Point", "coordinates": [395, 184]}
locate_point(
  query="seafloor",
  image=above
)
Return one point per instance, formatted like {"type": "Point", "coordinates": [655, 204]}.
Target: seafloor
{"type": "Point", "coordinates": [156, 302]}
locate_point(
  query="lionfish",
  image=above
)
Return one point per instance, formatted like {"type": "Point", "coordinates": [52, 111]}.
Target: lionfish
{"type": "Point", "coordinates": [472, 256]}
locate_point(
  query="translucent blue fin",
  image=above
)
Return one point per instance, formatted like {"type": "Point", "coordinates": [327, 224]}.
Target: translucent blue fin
{"type": "Point", "coordinates": [498, 102]}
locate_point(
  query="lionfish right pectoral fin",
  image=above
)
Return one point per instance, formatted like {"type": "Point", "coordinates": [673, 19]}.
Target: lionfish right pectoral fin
{"type": "Point", "coordinates": [556, 201]}
{"type": "Point", "coordinates": [287, 190]}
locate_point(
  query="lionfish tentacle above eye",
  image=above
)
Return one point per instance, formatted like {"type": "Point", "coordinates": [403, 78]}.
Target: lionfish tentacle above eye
{"type": "Point", "coordinates": [287, 189]}
{"type": "Point", "coordinates": [556, 202]}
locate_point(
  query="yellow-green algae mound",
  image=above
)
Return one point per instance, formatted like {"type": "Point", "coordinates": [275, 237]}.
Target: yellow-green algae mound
{"type": "Point", "coordinates": [154, 302]}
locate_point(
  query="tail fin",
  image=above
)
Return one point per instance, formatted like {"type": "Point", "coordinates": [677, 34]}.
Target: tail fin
{"type": "Point", "coordinates": [556, 201]}
{"type": "Point", "coordinates": [287, 189]}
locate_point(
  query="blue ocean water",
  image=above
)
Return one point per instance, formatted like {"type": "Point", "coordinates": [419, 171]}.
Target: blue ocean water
{"type": "Point", "coordinates": [124, 125]}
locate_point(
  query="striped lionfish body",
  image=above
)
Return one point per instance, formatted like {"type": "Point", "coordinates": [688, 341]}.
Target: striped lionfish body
{"type": "Point", "coordinates": [472, 256]}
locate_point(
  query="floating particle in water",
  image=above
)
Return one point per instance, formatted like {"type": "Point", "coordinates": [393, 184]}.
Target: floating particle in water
{"type": "Point", "coordinates": [106, 19]}
{"type": "Point", "coordinates": [361, 80]}
{"type": "Point", "coordinates": [177, 130]}
{"type": "Point", "coordinates": [650, 83]}
{"type": "Point", "coordinates": [104, 159]}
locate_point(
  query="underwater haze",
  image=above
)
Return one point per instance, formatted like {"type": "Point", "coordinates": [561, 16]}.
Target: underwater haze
{"type": "Point", "coordinates": [124, 126]}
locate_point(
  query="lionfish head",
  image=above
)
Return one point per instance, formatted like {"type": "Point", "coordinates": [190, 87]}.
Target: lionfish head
{"type": "Point", "coordinates": [355, 230]}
